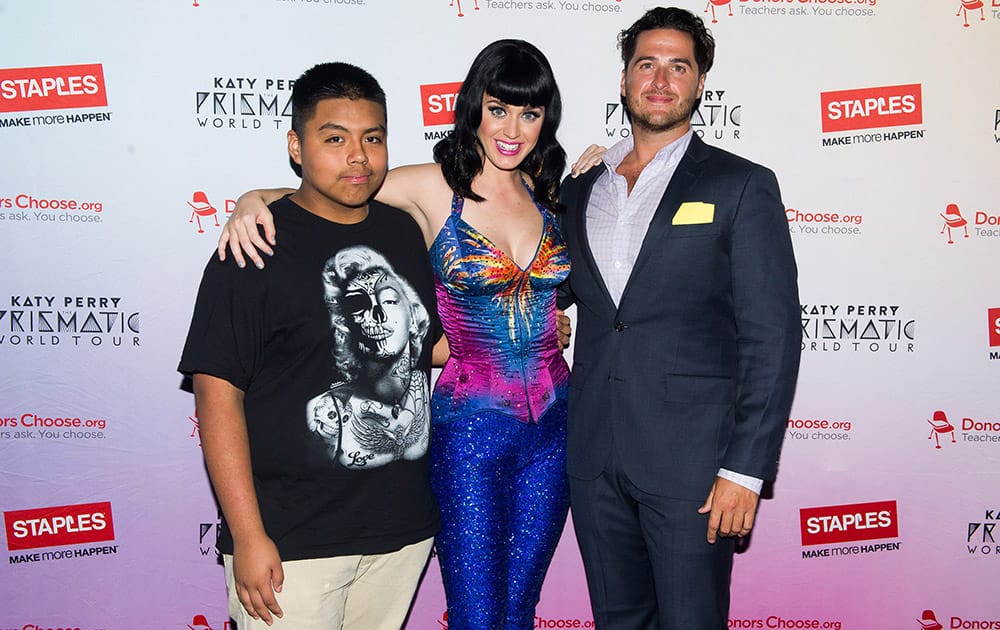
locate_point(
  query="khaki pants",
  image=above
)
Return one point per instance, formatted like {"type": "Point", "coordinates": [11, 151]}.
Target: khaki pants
{"type": "Point", "coordinates": [350, 592]}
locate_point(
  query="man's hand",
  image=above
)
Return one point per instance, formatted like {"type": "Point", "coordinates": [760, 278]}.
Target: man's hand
{"type": "Point", "coordinates": [563, 329]}
{"type": "Point", "coordinates": [731, 508]}
{"type": "Point", "coordinates": [258, 576]}
{"type": "Point", "coordinates": [257, 573]}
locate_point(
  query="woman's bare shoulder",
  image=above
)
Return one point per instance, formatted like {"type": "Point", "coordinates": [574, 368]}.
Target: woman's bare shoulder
{"type": "Point", "coordinates": [421, 190]}
{"type": "Point", "coordinates": [421, 175]}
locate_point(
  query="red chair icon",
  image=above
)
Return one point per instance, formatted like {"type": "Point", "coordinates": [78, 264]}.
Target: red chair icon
{"type": "Point", "coordinates": [971, 5]}
{"type": "Point", "coordinates": [718, 3]}
{"type": "Point", "coordinates": [940, 425]}
{"type": "Point", "coordinates": [928, 621]}
{"type": "Point", "coordinates": [199, 622]}
{"type": "Point", "coordinates": [202, 208]}
{"type": "Point", "coordinates": [460, 14]}
{"type": "Point", "coordinates": [953, 219]}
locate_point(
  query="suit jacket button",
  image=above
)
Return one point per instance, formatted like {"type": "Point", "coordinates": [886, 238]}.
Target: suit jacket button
{"type": "Point", "coordinates": [620, 326]}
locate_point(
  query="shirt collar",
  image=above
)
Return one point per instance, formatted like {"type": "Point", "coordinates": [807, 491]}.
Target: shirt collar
{"type": "Point", "coordinates": [668, 156]}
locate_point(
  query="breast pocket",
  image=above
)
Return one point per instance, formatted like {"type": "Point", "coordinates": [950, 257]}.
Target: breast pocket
{"type": "Point", "coordinates": [689, 231]}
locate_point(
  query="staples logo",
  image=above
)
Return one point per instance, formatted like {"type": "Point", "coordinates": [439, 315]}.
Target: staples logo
{"type": "Point", "coordinates": [58, 526]}
{"type": "Point", "coordinates": [52, 87]}
{"type": "Point", "coordinates": [869, 108]}
{"type": "Point", "coordinates": [846, 523]}
{"type": "Point", "coordinates": [438, 103]}
{"type": "Point", "coordinates": [993, 318]}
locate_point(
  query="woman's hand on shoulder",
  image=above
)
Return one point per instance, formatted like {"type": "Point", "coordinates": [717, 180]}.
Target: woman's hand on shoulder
{"type": "Point", "coordinates": [240, 232]}
{"type": "Point", "coordinates": [590, 157]}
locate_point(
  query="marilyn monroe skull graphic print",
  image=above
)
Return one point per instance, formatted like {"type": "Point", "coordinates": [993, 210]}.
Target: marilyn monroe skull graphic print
{"type": "Point", "coordinates": [375, 411]}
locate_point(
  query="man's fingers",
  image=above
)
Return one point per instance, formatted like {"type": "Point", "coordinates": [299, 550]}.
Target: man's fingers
{"type": "Point", "coordinates": [706, 507]}
{"type": "Point", "coordinates": [714, 520]}
{"type": "Point", "coordinates": [269, 603]}
{"type": "Point", "coordinates": [726, 524]}
{"type": "Point", "coordinates": [259, 602]}
{"type": "Point", "coordinates": [260, 606]}
{"type": "Point", "coordinates": [714, 516]}
{"type": "Point", "coordinates": [243, 594]}
{"type": "Point", "coordinates": [277, 578]}
{"type": "Point", "coordinates": [734, 522]}
{"type": "Point", "coordinates": [748, 519]}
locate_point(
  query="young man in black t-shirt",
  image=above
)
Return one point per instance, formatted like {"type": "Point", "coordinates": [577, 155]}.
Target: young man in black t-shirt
{"type": "Point", "coordinates": [311, 380]}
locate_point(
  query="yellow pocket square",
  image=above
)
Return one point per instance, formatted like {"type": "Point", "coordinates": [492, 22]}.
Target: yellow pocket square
{"type": "Point", "coordinates": [693, 213]}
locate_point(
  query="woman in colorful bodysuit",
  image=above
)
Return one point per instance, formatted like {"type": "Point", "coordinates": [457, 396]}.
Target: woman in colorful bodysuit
{"type": "Point", "coordinates": [499, 406]}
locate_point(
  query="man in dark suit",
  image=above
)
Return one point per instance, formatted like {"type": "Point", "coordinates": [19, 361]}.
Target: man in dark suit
{"type": "Point", "coordinates": [687, 350]}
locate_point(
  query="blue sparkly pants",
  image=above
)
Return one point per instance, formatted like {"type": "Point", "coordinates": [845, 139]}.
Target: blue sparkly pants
{"type": "Point", "coordinates": [502, 488]}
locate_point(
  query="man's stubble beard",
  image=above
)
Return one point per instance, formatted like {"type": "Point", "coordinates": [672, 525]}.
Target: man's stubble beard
{"type": "Point", "coordinates": [673, 120]}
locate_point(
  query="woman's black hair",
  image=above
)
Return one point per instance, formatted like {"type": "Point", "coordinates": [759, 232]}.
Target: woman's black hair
{"type": "Point", "coordinates": [516, 73]}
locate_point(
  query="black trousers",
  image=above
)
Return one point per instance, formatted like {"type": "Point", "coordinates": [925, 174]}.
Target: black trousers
{"type": "Point", "coordinates": [647, 560]}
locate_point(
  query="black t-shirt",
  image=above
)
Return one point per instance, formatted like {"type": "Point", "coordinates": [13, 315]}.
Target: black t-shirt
{"type": "Point", "coordinates": [331, 343]}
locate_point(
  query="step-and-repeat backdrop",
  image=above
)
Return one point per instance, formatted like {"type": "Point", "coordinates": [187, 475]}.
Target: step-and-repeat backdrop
{"type": "Point", "coordinates": [127, 130]}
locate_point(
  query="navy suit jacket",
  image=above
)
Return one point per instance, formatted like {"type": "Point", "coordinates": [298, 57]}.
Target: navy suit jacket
{"type": "Point", "coordinates": [695, 369]}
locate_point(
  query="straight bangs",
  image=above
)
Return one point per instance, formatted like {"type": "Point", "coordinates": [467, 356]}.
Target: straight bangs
{"type": "Point", "coordinates": [522, 82]}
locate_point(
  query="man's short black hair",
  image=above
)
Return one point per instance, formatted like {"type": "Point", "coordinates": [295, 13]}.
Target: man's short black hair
{"type": "Point", "coordinates": [331, 80]}
{"type": "Point", "coordinates": [678, 20]}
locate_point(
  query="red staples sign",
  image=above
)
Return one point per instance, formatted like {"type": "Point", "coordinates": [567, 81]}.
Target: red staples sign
{"type": "Point", "coordinates": [438, 103]}
{"type": "Point", "coordinates": [994, 322]}
{"type": "Point", "coordinates": [52, 87]}
{"type": "Point", "coordinates": [58, 526]}
{"type": "Point", "coordinates": [870, 108]}
{"type": "Point", "coordinates": [847, 523]}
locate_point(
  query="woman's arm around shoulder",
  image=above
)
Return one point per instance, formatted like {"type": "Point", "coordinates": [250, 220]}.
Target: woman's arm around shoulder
{"type": "Point", "coordinates": [421, 191]}
{"type": "Point", "coordinates": [240, 231]}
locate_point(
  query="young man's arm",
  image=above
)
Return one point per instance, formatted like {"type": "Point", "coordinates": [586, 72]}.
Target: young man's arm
{"type": "Point", "coordinates": [256, 563]}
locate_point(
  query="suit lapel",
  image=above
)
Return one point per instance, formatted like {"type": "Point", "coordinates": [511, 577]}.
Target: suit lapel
{"type": "Point", "coordinates": [586, 254]}
{"type": "Point", "coordinates": [687, 172]}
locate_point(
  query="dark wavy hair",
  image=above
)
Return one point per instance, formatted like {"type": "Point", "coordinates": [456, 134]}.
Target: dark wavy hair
{"type": "Point", "coordinates": [517, 73]}
{"type": "Point", "coordinates": [678, 20]}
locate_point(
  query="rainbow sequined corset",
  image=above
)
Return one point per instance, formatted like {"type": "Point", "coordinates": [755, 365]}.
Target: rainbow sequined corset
{"type": "Point", "coordinates": [500, 321]}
